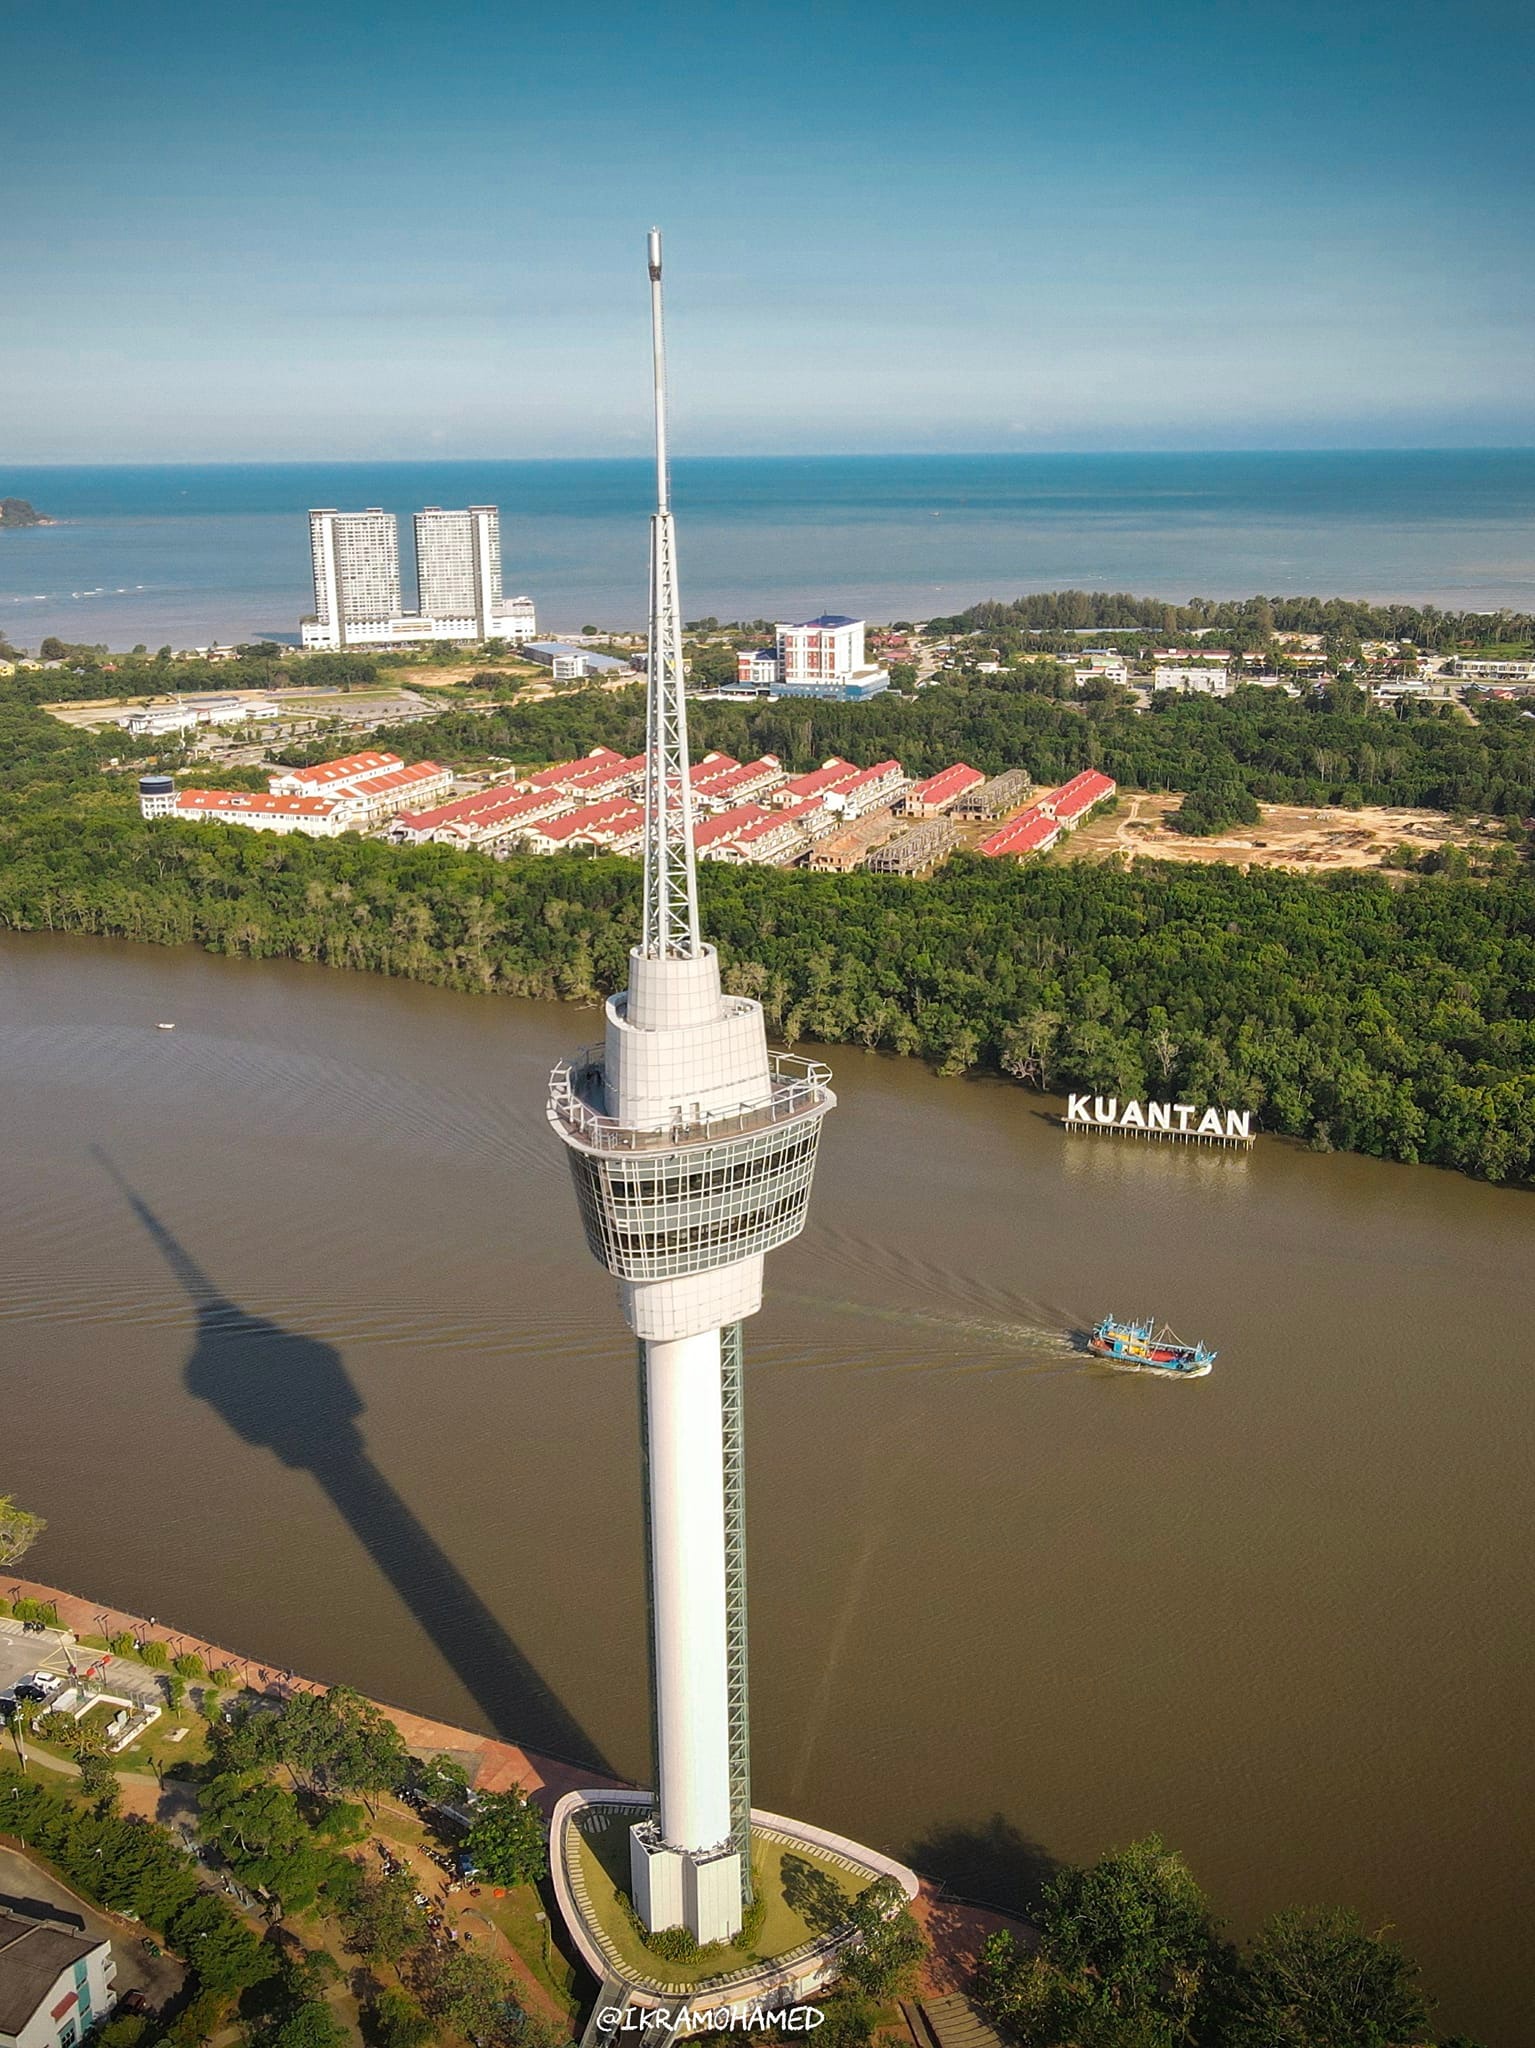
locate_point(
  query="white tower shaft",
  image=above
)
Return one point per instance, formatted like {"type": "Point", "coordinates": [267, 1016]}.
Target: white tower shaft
{"type": "Point", "coordinates": [685, 1430]}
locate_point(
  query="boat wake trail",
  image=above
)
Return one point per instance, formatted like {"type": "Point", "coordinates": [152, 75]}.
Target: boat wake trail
{"type": "Point", "coordinates": [1005, 1344]}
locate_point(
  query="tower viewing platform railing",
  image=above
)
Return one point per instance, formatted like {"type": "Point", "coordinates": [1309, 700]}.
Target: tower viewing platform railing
{"type": "Point", "coordinates": [799, 1087]}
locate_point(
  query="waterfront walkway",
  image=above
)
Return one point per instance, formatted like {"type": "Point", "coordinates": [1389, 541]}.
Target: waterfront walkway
{"type": "Point", "coordinates": [957, 1931]}
{"type": "Point", "coordinates": [492, 1765]}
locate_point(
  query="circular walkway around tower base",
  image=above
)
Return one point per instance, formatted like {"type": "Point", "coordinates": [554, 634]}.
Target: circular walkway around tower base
{"type": "Point", "coordinates": [806, 1876]}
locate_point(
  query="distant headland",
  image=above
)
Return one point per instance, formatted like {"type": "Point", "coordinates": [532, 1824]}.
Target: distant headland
{"type": "Point", "coordinates": [17, 512]}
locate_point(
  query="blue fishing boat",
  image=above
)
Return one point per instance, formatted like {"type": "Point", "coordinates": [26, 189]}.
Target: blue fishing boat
{"type": "Point", "coordinates": [1142, 1347]}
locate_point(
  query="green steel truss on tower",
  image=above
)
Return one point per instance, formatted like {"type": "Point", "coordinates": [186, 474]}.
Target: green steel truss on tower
{"type": "Point", "coordinates": [732, 1375]}
{"type": "Point", "coordinates": [732, 1392]}
{"type": "Point", "coordinates": [650, 1590]}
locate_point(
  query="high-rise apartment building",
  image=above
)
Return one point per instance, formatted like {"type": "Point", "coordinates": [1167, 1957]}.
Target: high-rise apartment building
{"type": "Point", "coordinates": [458, 565]}
{"type": "Point", "coordinates": [357, 602]}
{"type": "Point", "coordinates": [356, 559]}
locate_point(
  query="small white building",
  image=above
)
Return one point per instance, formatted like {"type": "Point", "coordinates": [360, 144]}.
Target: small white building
{"type": "Point", "coordinates": [155, 719]}
{"type": "Point", "coordinates": [56, 1983]}
{"type": "Point", "coordinates": [1496, 671]}
{"type": "Point", "coordinates": [757, 668]}
{"type": "Point", "coordinates": [1104, 662]}
{"type": "Point", "coordinates": [157, 796]}
{"type": "Point", "coordinates": [1193, 682]}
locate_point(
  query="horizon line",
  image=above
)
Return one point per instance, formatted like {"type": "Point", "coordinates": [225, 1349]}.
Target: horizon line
{"type": "Point", "coordinates": [781, 455]}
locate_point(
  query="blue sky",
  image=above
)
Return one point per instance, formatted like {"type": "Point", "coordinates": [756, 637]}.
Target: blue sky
{"type": "Point", "coordinates": [385, 230]}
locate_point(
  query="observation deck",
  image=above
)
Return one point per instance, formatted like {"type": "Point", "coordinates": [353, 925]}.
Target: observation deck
{"type": "Point", "coordinates": [703, 1191]}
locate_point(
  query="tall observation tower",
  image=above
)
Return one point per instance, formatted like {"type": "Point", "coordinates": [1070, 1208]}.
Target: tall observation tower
{"type": "Point", "coordinates": [692, 1148]}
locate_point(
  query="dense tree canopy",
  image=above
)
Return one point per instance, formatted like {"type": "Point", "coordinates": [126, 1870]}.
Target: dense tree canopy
{"type": "Point", "coordinates": [507, 1840]}
{"type": "Point", "coordinates": [1351, 1011]}
{"type": "Point", "coordinates": [1130, 1957]}
{"type": "Point", "coordinates": [131, 1866]}
{"type": "Point", "coordinates": [1240, 622]}
{"type": "Point", "coordinates": [19, 1530]}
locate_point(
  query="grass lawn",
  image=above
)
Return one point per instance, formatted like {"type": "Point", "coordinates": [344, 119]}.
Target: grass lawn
{"type": "Point", "coordinates": [155, 1748]}
{"type": "Point", "coordinates": [516, 1914]}
{"type": "Point", "coordinates": [807, 1894]}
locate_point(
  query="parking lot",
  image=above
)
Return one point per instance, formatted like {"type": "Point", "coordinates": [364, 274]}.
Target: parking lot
{"type": "Point", "coordinates": [21, 1654]}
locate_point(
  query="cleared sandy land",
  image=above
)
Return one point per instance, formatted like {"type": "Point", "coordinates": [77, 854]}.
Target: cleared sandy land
{"type": "Point", "coordinates": [1288, 836]}
{"type": "Point", "coordinates": [439, 676]}
{"type": "Point", "coordinates": [94, 713]}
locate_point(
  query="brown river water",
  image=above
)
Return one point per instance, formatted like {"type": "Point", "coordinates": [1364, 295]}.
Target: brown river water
{"type": "Point", "coordinates": [302, 1349]}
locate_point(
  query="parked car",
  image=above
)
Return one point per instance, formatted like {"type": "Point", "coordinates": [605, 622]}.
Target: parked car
{"type": "Point", "coordinates": [133, 2001]}
{"type": "Point", "coordinates": [46, 1683]}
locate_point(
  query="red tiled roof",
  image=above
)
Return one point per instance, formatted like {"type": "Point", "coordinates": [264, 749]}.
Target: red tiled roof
{"type": "Point", "coordinates": [1079, 795]}
{"type": "Point", "coordinates": [730, 824]}
{"type": "Point", "coordinates": [266, 806]}
{"type": "Point", "coordinates": [867, 775]}
{"type": "Point", "coordinates": [772, 821]}
{"type": "Point", "coordinates": [396, 778]}
{"type": "Point", "coordinates": [613, 819]}
{"type": "Point", "coordinates": [744, 776]}
{"type": "Point", "coordinates": [946, 785]}
{"type": "Point", "coordinates": [561, 771]}
{"type": "Point", "coordinates": [475, 805]}
{"type": "Point", "coordinates": [1030, 832]}
{"type": "Point", "coordinates": [514, 803]}
{"type": "Point", "coordinates": [348, 766]}
{"type": "Point", "coordinates": [834, 775]}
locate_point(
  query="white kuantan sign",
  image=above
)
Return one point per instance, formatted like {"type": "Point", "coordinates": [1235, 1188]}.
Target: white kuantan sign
{"type": "Point", "coordinates": [1172, 1119]}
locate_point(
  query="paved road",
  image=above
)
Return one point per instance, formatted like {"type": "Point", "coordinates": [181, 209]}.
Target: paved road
{"type": "Point", "coordinates": [28, 1889]}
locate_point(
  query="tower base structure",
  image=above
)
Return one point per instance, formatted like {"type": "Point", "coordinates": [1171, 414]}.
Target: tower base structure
{"type": "Point", "coordinates": [697, 1889]}
{"type": "Point", "coordinates": [590, 1836]}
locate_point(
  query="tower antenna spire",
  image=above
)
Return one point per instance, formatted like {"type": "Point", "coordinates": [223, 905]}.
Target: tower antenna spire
{"type": "Point", "coordinates": [671, 875]}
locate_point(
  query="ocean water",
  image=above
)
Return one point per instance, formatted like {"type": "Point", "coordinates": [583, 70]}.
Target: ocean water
{"type": "Point", "coordinates": [191, 554]}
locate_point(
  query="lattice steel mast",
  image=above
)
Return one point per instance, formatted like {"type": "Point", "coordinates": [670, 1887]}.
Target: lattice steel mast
{"type": "Point", "coordinates": [671, 876]}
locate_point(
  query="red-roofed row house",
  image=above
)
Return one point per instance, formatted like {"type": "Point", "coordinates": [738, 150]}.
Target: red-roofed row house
{"type": "Point", "coordinates": [616, 825]}
{"type": "Point", "coordinates": [932, 796]}
{"type": "Point", "coordinates": [1037, 829]}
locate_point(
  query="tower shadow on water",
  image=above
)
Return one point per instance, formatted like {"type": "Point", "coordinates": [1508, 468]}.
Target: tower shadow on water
{"type": "Point", "coordinates": [282, 1391]}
